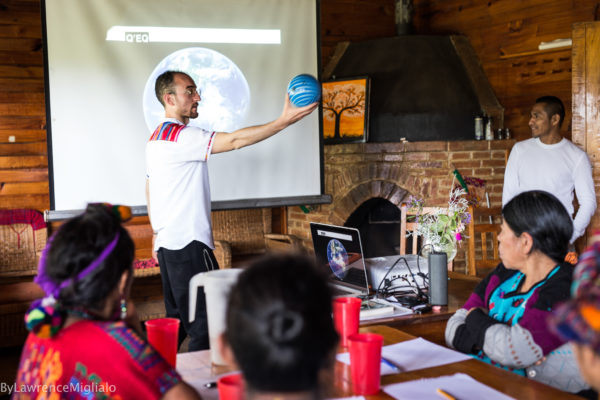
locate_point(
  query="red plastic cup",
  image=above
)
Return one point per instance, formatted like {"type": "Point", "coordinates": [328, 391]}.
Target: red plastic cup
{"type": "Point", "coordinates": [163, 335]}
{"type": "Point", "coordinates": [346, 316]}
{"type": "Point", "coordinates": [231, 387]}
{"type": "Point", "coordinates": [365, 362]}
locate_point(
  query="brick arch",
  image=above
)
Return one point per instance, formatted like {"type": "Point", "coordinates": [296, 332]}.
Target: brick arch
{"type": "Point", "coordinates": [344, 206]}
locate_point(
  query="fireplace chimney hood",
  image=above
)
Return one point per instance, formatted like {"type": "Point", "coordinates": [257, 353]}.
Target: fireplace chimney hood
{"type": "Point", "coordinates": [423, 87]}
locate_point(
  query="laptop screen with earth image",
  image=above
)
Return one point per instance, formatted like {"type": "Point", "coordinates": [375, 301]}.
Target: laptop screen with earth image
{"type": "Point", "coordinates": [339, 252]}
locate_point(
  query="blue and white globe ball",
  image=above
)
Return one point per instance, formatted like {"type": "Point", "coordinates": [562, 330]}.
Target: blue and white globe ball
{"type": "Point", "coordinates": [303, 90]}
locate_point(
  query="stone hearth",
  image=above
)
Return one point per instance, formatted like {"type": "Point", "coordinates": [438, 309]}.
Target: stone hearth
{"type": "Point", "coordinates": [355, 173]}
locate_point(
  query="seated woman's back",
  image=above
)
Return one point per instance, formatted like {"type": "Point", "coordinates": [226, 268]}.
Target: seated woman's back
{"type": "Point", "coordinates": [85, 336]}
{"type": "Point", "coordinates": [280, 329]}
{"type": "Point", "coordinates": [95, 357]}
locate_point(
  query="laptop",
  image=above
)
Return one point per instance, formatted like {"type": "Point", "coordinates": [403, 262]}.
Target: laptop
{"type": "Point", "coordinates": [339, 253]}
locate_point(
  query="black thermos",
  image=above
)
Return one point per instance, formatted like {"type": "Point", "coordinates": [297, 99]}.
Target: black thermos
{"type": "Point", "coordinates": [438, 278]}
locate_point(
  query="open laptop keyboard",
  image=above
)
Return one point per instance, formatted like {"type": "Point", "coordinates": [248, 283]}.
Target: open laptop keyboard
{"type": "Point", "coordinates": [355, 277]}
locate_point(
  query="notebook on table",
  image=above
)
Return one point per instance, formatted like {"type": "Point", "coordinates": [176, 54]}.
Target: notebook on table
{"type": "Point", "coordinates": [339, 253]}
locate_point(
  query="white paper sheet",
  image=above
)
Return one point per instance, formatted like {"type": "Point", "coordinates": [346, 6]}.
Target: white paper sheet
{"type": "Point", "coordinates": [206, 393]}
{"type": "Point", "coordinates": [385, 369]}
{"type": "Point", "coordinates": [194, 372]}
{"type": "Point", "coordinates": [460, 386]}
{"type": "Point", "coordinates": [349, 398]}
{"type": "Point", "coordinates": [414, 354]}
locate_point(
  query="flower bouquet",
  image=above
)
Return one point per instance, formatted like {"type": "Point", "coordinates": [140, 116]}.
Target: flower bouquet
{"type": "Point", "coordinates": [442, 229]}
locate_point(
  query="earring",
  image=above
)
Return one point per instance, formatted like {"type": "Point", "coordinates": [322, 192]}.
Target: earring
{"type": "Point", "coordinates": [123, 308]}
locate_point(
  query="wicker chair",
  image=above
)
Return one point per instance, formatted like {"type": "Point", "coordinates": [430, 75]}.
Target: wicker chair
{"type": "Point", "coordinates": [242, 234]}
{"type": "Point", "coordinates": [23, 236]}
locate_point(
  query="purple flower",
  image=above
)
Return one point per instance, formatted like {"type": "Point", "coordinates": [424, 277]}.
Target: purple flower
{"type": "Point", "coordinates": [458, 236]}
{"type": "Point", "coordinates": [466, 218]}
{"type": "Point", "coordinates": [415, 202]}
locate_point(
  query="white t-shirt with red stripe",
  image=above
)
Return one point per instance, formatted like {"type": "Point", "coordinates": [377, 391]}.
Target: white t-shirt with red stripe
{"type": "Point", "coordinates": [177, 169]}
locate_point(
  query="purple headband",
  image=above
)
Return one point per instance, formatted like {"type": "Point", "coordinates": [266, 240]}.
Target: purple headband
{"type": "Point", "coordinates": [52, 288]}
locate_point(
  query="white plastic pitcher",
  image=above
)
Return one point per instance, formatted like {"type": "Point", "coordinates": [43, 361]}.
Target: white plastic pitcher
{"type": "Point", "coordinates": [217, 285]}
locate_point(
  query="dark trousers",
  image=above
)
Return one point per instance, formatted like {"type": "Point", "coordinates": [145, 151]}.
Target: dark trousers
{"type": "Point", "coordinates": [177, 268]}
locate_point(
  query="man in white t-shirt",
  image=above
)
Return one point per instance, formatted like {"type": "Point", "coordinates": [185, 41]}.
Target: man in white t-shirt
{"type": "Point", "coordinates": [178, 192]}
{"type": "Point", "coordinates": [552, 163]}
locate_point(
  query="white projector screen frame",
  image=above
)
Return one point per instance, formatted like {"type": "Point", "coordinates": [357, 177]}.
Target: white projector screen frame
{"type": "Point", "coordinates": [102, 58]}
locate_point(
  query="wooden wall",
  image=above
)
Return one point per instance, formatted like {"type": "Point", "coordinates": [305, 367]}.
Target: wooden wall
{"type": "Point", "coordinates": [24, 162]}
{"type": "Point", "coordinates": [354, 20]}
{"type": "Point", "coordinates": [586, 95]}
{"type": "Point", "coordinates": [505, 34]}
{"type": "Point", "coordinates": [23, 154]}
{"type": "Point", "coordinates": [499, 30]}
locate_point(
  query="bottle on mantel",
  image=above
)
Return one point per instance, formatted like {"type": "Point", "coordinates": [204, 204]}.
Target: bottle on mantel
{"type": "Point", "coordinates": [489, 133]}
{"type": "Point", "coordinates": [478, 128]}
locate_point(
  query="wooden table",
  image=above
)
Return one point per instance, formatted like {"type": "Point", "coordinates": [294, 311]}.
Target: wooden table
{"type": "Point", "coordinates": [506, 382]}
{"type": "Point", "coordinates": [431, 325]}
{"type": "Point", "coordinates": [196, 369]}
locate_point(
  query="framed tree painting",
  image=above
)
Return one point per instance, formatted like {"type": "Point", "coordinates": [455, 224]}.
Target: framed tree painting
{"type": "Point", "coordinates": [345, 110]}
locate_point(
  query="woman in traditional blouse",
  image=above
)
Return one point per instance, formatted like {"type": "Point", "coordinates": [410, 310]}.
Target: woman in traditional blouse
{"type": "Point", "coordinates": [504, 320]}
{"type": "Point", "coordinates": [85, 339]}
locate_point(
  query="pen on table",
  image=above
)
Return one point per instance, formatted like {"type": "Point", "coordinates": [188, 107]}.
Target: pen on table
{"type": "Point", "coordinates": [445, 394]}
{"type": "Point", "coordinates": [391, 364]}
{"type": "Point", "coordinates": [210, 385]}
{"type": "Point", "coordinates": [421, 308]}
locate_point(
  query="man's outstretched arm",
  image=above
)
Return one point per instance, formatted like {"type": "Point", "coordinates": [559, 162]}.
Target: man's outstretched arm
{"type": "Point", "coordinates": [247, 136]}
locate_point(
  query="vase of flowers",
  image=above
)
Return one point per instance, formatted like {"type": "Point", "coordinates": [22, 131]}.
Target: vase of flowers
{"type": "Point", "coordinates": [442, 229]}
{"type": "Point", "coordinates": [450, 248]}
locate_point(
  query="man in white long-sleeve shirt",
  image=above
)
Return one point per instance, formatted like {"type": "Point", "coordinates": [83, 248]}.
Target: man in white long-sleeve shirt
{"type": "Point", "coordinates": [552, 163]}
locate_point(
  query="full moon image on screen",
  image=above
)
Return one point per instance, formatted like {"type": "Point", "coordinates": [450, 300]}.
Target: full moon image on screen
{"type": "Point", "coordinates": [223, 88]}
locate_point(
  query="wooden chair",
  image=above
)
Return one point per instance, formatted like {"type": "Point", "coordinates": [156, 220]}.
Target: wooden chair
{"type": "Point", "coordinates": [483, 232]}
{"type": "Point", "coordinates": [408, 225]}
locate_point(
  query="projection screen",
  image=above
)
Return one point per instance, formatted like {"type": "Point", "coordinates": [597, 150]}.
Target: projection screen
{"type": "Point", "coordinates": [103, 57]}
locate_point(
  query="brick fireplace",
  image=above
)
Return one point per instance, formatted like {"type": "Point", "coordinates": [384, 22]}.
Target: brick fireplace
{"type": "Point", "coordinates": [357, 173]}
